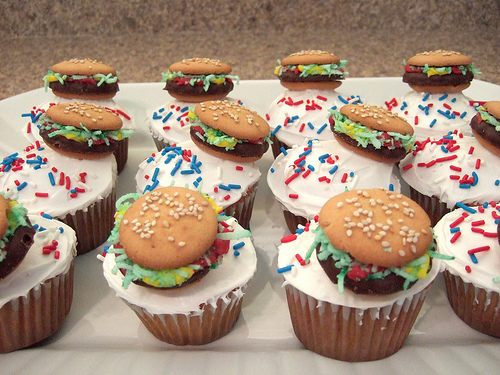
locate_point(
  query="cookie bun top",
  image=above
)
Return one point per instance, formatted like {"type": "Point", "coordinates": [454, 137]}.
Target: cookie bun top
{"type": "Point", "coordinates": [377, 226]}
{"type": "Point", "coordinates": [92, 116]}
{"type": "Point", "coordinates": [199, 65]}
{"type": "Point", "coordinates": [86, 67]}
{"type": "Point", "coordinates": [377, 118]}
{"type": "Point", "coordinates": [168, 228]}
{"type": "Point", "coordinates": [310, 57]}
{"type": "Point", "coordinates": [439, 58]}
{"type": "Point", "coordinates": [493, 108]}
{"type": "Point", "coordinates": [232, 119]}
{"type": "Point", "coordinates": [4, 209]}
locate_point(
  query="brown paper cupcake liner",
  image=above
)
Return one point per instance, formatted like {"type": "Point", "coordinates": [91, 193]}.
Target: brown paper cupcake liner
{"type": "Point", "coordinates": [431, 205]}
{"type": "Point", "coordinates": [28, 320]}
{"type": "Point", "coordinates": [243, 208]}
{"type": "Point", "coordinates": [276, 146]}
{"type": "Point", "coordinates": [292, 220]}
{"type": "Point", "coordinates": [160, 143]}
{"type": "Point", "coordinates": [94, 224]}
{"type": "Point", "coordinates": [352, 334]}
{"type": "Point", "coordinates": [193, 329]}
{"type": "Point", "coordinates": [478, 308]}
{"type": "Point", "coordinates": [121, 154]}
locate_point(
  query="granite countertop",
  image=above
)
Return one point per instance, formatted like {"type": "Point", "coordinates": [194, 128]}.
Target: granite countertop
{"type": "Point", "coordinates": [142, 44]}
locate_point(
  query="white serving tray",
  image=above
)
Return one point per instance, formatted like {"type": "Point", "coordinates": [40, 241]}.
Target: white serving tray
{"type": "Point", "coordinates": [102, 335]}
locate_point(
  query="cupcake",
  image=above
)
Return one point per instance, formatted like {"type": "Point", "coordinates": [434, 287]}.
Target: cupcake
{"type": "Point", "coordinates": [469, 235]}
{"type": "Point", "coordinates": [84, 80]}
{"type": "Point", "coordinates": [356, 279]}
{"type": "Point", "coordinates": [304, 177]}
{"type": "Point", "coordinates": [80, 193]}
{"type": "Point", "coordinates": [301, 111]}
{"type": "Point", "coordinates": [36, 273]}
{"type": "Point", "coordinates": [188, 81]}
{"type": "Point", "coordinates": [180, 266]}
{"type": "Point", "coordinates": [454, 168]}
{"type": "Point", "coordinates": [436, 104]}
{"type": "Point", "coordinates": [231, 185]}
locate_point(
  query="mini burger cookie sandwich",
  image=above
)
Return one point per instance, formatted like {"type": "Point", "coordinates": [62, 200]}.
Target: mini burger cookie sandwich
{"type": "Point", "coordinates": [373, 132]}
{"type": "Point", "coordinates": [229, 130]}
{"type": "Point", "coordinates": [199, 79]}
{"type": "Point", "coordinates": [36, 275]}
{"type": "Point", "coordinates": [359, 274]}
{"type": "Point", "coordinates": [82, 130]}
{"type": "Point", "coordinates": [82, 79]}
{"type": "Point", "coordinates": [485, 126]}
{"type": "Point", "coordinates": [311, 69]}
{"type": "Point", "coordinates": [180, 265]}
{"type": "Point", "coordinates": [439, 72]}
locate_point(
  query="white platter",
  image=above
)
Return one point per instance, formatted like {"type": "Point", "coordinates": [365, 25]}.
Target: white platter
{"type": "Point", "coordinates": [103, 336]}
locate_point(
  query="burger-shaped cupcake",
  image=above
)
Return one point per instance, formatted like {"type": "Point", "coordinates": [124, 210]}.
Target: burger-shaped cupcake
{"type": "Point", "coordinates": [82, 130]}
{"type": "Point", "coordinates": [486, 126]}
{"type": "Point", "coordinates": [311, 69]}
{"type": "Point", "coordinates": [82, 79]}
{"type": "Point", "coordinates": [359, 274]}
{"type": "Point", "coordinates": [166, 240]}
{"type": "Point", "coordinates": [199, 79]}
{"type": "Point", "coordinates": [439, 72]}
{"type": "Point", "coordinates": [229, 130]}
{"type": "Point", "coordinates": [372, 132]}
{"type": "Point", "coordinates": [16, 235]}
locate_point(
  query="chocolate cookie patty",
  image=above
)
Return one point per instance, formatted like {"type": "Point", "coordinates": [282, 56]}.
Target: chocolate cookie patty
{"type": "Point", "coordinates": [17, 248]}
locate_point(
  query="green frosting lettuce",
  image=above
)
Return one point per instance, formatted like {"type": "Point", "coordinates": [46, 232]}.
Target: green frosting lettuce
{"type": "Point", "coordinates": [489, 118]}
{"type": "Point", "coordinates": [83, 134]}
{"type": "Point", "coordinates": [365, 136]}
{"type": "Point", "coordinates": [194, 79]}
{"type": "Point", "coordinates": [99, 78]}
{"type": "Point", "coordinates": [316, 69]}
{"type": "Point", "coordinates": [16, 217]}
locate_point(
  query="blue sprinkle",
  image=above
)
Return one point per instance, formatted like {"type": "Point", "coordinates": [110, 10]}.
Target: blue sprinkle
{"type": "Point", "coordinates": [311, 126]}
{"type": "Point", "coordinates": [305, 153]}
{"type": "Point", "coordinates": [234, 186]}
{"type": "Point", "coordinates": [463, 114]}
{"type": "Point", "coordinates": [22, 186]}
{"type": "Point", "coordinates": [293, 118]}
{"type": "Point", "coordinates": [425, 97]}
{"type": "Point", "coordinates": [61, 230]}
{"type": "Point", "coordinates": [323, 157]}
{"type": "Point", "coordinates": [236, 253]}
{"type": "Point", "coordinates": [176, 167]}
{"type": "Point", "coordinates": [165, 119]}
{"type": "Point", "coordinates": [444, 149]}
{"type": "Point", "coordinates": [301, 164]}
{"type": "Point", "coordinates": [464, 186]}
{"type": "Point", "coordinates": [345, 101]}
{"type": "Point", "coordinates": [285, 269]}
{"type": "Point", "coordinates": [433, 122]}
{"type": "Point", "coordinates": [454, 230]}
{"type": "Point", "coordinates": [391, 187]}
{"type": "Point", "coordinates": [309, 166]}
{"type": "Point", "coordinates": [334, 108]}
{"type": "Point", "coordinates": [473, 258]}
{"type": "Point", "coordinates": [272, 170]}
{"type": "Point", "coordinates": [162, 109]}
{"type": "Point", "coordinates": [188, 171]}
{"type": "Point", "coordinates": [276, 130]}
{"type": "Point", "coordinates": [239, 245]}
{"type": "Point", "coordinates": [497, 182]}
{"type": "Point", "coordinates": [334, 169]}
{"type": "Point", "coordinates": [351, 174]}
{"type": "Point", "coordinates": [51, 179]}
{"type": "Point", "coordinates": [299, 230]}
{"type": "Point", "coordinates": [73, 191]}
{"type": "Point", "coordinates": [155, 174]}
{"type": "Point", "coordinates": [445, 114]}
{"type": "Point", "coordinates": [453, 100]}
{"type": "Point", "coordinates": [322, 128]}
{"type": "Point", "coordinates": [156, 116]}
{"type": "Point", "coordinates": [485, 205]}
{"type": "Point", "coordinates": [443, 97]}
{"type": "Point", "coordinates": [404, 105]}
{"type": "Point", "coordinates": [283, 150]}
{"type": "Point", "coordinates": [224, 187]}
{"type": "Point", "coordinates": [476, 178]}
{"type": "Point", "coordinates": [466, 208]}
{"type": "Point", "coordinates": [184, 109]}
{"type": "Point", "coordinates": [47, 216]}
{"type": "Point", "coordinates": [150, 159]}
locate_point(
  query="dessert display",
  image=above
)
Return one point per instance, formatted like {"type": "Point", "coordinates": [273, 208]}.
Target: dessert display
{"type": "Point", "coordinates": [301, 111]}
{"type": "Point", "coordinates": [436, 104]}
{"type": "Point", "coordinates": [189, 81]}
{"type": "Point", "coordinates": [359, 274]}
{"type": "Point", "coordinates": [373, 132]}
{"type": "Point", "coordinates": [470, 235]}
{"type": "Point", "coordinates": [453, 168]}
{"type": "Point", "coordinates": [304, 177]}
{"type": "Point", "coordinates": [186, 276]}
{"type": "Point", "coordinates": [36, 275]}
{"type": "Point", "coordinates": [229, 131]}
{"type": "Point", "coordinates": [78, 192]}
{"type": "Point", "coordinates": [232, 185]}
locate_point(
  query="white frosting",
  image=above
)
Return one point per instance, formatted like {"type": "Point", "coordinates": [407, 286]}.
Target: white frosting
{"type": "Point", "coordinates": [309, 107]}
{"type": "Point", "coordinates": [435, 180]}
{"type": "Point", "coordinates": [31, 130]}
{"type": "Point", "coordinates": [312, 280]}
{"type": "Point", "coordinates": [212, 172]}
{"type": "Point", "coordinates": [36, 267]}
{"type": "Point", "coordinates": [234, 272]}
{"type": "Point", "coordinates": [360, 172]}
{"type": "Point", "coordinates": [99, 181]}
{"type": "Point", "coordinates": [488, 262]}
{"type": "Point", "coordinates": [169, 122]}
{"type": "Point", "coordinates": [434, 115]}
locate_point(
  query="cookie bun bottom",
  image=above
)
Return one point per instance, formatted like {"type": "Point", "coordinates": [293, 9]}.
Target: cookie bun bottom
{"type": "Point", "coordinates": [486, 144]}
{"type": "Point", "coordinates": [80, 155]}
{"type": "Point", "coordinates": [439, 89]}
{"type": "Point", "coordinates": [366, 153]}
{"type": "Point", "coordinates": [84, 96]}
{"type": "Point", "coordinates": [197, 98]}
{"type": "Point", "coordinates": [223, 154]}
{"type": "Point", "coordinates": [323, 85]}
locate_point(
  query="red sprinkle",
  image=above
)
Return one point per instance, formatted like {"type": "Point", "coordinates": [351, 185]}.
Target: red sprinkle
{"type": "Point", "coordinates": [478, 163]}
{"type": "Point", "coordinates": [291, 178]}
{"type": "Point", "coordinates": [407, 166]}
{"type": "Point", "coordinates": [455, 236]}
{"type": "Point", "coordinates": [468, 269]}
{"type": "Point", "coordinates": [477, 222]}
{"type": "Point", "coordinates": [293, 196]}
{"type": "Point", "coordinates": [289, 238]}
{"type": "Point", "coordinates": [471, 150]}
{"type": "Point", "coordinates": [478, 249]}
{"type": "Point", "coordinates": [41, 195]}
{"type": "Point", "coordinates": [300, 259]}
{"type": "Point", "coordinates": [458, 221]}
{"type": "Point", "coordinates": [455, 168]}
{"type": "Point", "coordinates": [239, 168]}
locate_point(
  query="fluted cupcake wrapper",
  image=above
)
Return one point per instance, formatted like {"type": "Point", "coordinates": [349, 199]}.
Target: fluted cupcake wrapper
{"type": "Point", "coordinates": [121, 154]}
{"type": "Point", "coordinates": [477, 307]}
{"type": "Point", "coordinates": [94, 224]}
{"type": "Point", "coordinates": [193, 328]}
{"type": "Point", "coordinates": [431, 205]}
{"type": "Point", "coordinates": [352, 334]}
{"type": "Point", "coordinates": [243, 208]}
{"type": "Point", "coordinates": [28, 320]}
{"type": "Point", "coordinates": [277, 145]}
{"type": "Point", "coordinates": [292, 221]}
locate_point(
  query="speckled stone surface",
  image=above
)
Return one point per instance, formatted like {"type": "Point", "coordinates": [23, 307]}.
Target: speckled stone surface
{"type": "Point", "coordinates": [142, 38]}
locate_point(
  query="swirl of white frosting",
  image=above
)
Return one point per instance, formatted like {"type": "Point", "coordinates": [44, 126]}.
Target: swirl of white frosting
{"type": "Point", "coordinates": [223, 180]}
{"type": "Point", "coordinates": [234, 272]}
{"type": "Point", "coordinates": [333, 169]}
{"type": "Point", "coordinates": [461, 231]}
{"type": "Point", "coordinates": [36, 266]}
